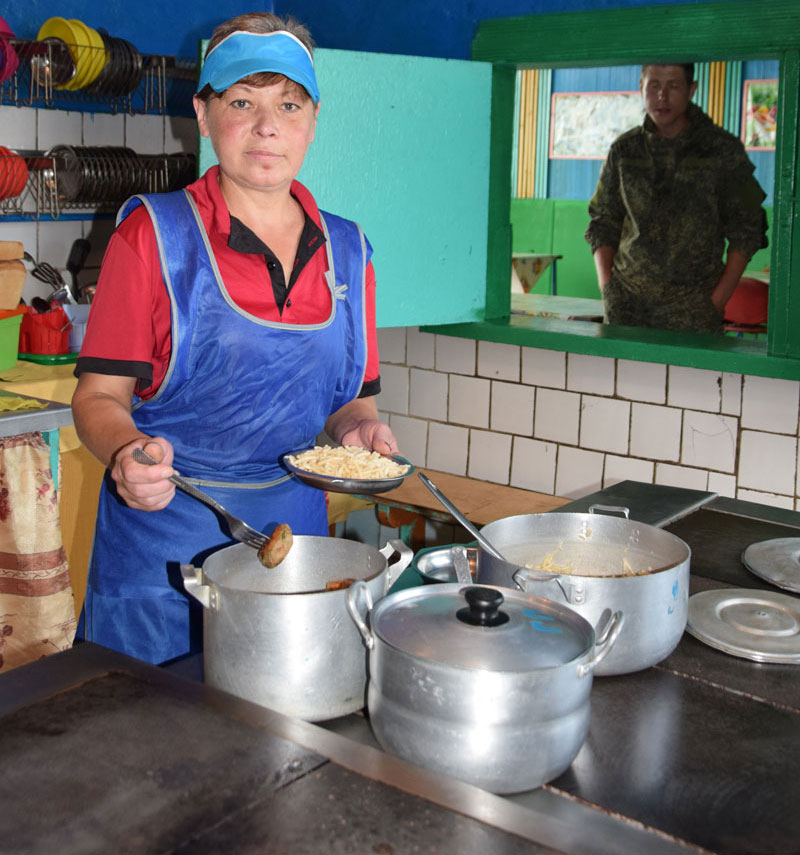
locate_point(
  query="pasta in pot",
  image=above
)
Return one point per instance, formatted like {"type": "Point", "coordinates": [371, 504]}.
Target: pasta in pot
{"type": "Point", "coordinates": [347, 461]}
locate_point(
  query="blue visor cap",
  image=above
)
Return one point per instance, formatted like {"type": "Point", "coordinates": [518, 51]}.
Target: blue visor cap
{"type": "Point", "coordinates": [242, 54]}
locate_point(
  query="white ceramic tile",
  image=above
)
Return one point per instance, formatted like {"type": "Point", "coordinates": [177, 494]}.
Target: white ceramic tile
{"type": "Point", "coordinates": [681, 476]}
{"type": "Point", "coordinates": [770, 404]}
{"type": "Point", "coordinates": [58, 127]}
{"type": "Point", "coordinates": [103, 129]}
{"type": "Point", "coordinates": [455, 355]}
{"type": "Point", "coordinates": [447, 448]}
{"type": "Point", "coordinates": [694, 388]}
{"type": "Point", "coordinates": [767, 462]}
{"type": "Point", "coordinates": [556, 415]}
{"type": "Point", "coordinates": [642, 381]}
{"type": "Point", "coordinates": [489, 456]}
{"type": "Point", "coordinates": [512, 408]}
{"type": "Point", "coordinates": [723, 485]}
{"type": "Point", "coordinates": [469, 401]}
{"type": "Point", "coordinates": [19, 127]}
{"type": "Point", "coordinates": [393, 397]}
{"type": "Point", "coordinates": [498, 361]}
{"type": "Point", "coordinates": [392, 345]}
{"type": "Point", "coordinates": [605, 424]}
{"type": "Point", "coordinates": [709, 440]}
{"type": "Point", "coordinates": [655, 432]}
{"type": "Point", "coordinates": [593, 374]}
{"type": "Point", "coordinates": [412, 437]}
{"type": "Point", "coordinates": [180, 135]}
{"type": "Point", "coordinates": [533, 465]}
{"type": "Point", "coordinates": [145, 134]}
{"type": "Point", "coordinates": [420, 348]}
{"type": "Point", "coordinates": [772, 499]}
{"type": "Point", "coordinates": [627, 469]}
{"type": "Point", "coordinates": [579, 472]}
{"type": "Point", "coordinates": [55, 241]}
{"type": "Point", "coordinates": [731, 393]}
{"type": "Point", "coordinates": [428, 394]}
{"type": "Point", "coordinates": [544, 367]}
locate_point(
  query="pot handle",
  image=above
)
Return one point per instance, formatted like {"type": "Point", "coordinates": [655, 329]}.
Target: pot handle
{"type": "Point", "coordinates": [611, 509]}
{"type": "Point", "coordinates": [354, 593]}
{"type": "Point", "coordinates": [405, 554]}
{"type": "Point", "coordinates": [606, 632]}
{"type": "Point", "coordinates": [524, 574]}
{"type": "Point", "coordinates": [193, 582]}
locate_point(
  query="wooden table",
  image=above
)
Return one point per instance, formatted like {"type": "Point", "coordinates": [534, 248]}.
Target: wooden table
{"type": "Point", "coordinates": [409, 505]}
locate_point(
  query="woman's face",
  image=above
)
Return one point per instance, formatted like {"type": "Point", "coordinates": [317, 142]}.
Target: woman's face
{"type": "Point", "coordinates": [259, 134]}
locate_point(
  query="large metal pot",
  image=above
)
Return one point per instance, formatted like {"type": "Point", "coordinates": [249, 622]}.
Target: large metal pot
{"type": "Point", "coordinates": [487, 685]}
{"type": "Point", "coordinates": [646, 575]}
{"type": "Point", "coordinates": [277, 637]}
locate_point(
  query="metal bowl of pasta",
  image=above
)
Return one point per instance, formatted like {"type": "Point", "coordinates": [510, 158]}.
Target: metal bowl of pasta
{"type": "Point", "coordinates": [347, 469]}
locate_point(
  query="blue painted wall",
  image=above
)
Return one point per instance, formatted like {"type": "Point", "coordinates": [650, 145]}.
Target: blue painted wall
{"type": "Point", "coordinates": [421, 27]}
{"type": "Point", "coordinates": [170, 28]}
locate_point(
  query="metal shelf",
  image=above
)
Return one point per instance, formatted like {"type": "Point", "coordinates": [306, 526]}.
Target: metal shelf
{"type": "Point", "coordinates": [164, 85]}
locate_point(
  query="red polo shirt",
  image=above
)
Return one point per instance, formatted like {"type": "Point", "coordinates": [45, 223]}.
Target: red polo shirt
{"type": "Point", "coordinates": [129, 330]}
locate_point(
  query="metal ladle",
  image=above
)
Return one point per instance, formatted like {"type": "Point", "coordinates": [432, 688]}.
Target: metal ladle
{"type": "Point", "coordinates": [459, 516]}
{"type": "Point", "coordinates": [532, 575]}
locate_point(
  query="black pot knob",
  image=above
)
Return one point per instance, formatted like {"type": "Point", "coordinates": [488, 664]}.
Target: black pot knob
{"type": "Point", "coordinates": [483, 607]}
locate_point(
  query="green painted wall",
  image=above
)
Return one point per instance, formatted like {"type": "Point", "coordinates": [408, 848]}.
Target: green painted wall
{"type": "Point", "coordinates": [557, 226]}
{"type": "Point", "coordinates": [411, 165]}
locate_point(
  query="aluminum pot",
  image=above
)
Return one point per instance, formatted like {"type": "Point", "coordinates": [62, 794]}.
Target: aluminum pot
{"type": "Point", "coordinates": [647, 575]}
{"type": "Point", "coordinates": [277, 637]}
{"type": "Point", "coordinates": [479, 683]}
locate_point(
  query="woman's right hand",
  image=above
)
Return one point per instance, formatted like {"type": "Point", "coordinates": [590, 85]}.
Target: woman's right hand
{"type": "Point", "coordinates": [144, 487]}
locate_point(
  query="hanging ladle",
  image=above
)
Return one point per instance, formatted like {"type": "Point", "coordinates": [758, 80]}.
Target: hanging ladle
{"type": "Point", "coordinates": [531, 575]}
{"type": "Point", "coordinates": [459, 516]}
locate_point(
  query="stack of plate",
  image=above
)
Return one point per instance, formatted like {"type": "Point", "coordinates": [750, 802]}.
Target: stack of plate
{"type": "Point", "coordinates": [13, 173]}
{"type": "Point", "coordinates": [110, 174]}
{"type": "Point", "coordinates": [86, 47]}
{"type": "Point", "coordinates": [9, 61]}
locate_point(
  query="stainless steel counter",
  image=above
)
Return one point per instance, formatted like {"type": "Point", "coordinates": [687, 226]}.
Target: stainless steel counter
{"type": "Point", "coordinates": [50, 417]}
{"type": "Point", "coordinates": [697, 754]}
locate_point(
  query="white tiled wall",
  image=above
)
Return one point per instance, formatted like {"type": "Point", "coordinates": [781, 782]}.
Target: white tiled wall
{"type": "Point", "coordinates": [28, 129]}
{"type": "Point", "coordinates": [568, 424]}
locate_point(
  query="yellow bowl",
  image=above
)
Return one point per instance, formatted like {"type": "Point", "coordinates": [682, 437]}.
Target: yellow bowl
{"type": "Point", "coordinates": [95, 51]}
{"type": "Point", "coordinates": [60, 28]}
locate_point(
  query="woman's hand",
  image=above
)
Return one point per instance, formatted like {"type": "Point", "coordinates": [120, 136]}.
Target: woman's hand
{"type": "Point", "coordinates": [357, 423]}
{"type": "Point", "coordinates": [144, 487]}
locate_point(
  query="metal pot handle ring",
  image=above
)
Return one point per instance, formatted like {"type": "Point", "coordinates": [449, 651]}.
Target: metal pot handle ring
{"type": "Point", "coordinates": [354, 593]}
{"type": "Point", "coordinates": [606, 633]}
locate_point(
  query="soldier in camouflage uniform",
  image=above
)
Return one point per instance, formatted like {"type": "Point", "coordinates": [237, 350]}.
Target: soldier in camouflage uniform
{"type": "Point", "coordinates": [670, 194]}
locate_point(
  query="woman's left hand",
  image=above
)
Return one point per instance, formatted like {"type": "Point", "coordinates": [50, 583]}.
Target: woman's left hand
{"type": "Point", "coordinates": [357, 423]}
{"type": "Point", "coordinates": [373, 435]}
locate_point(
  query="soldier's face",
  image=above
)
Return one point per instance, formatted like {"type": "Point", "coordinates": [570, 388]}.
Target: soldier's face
{"type": "Point", "coordinates": [666, 95]}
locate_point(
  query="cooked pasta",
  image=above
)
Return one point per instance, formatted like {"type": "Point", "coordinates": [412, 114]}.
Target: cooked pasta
{"type": "Point", "coordinates": [347, 461]}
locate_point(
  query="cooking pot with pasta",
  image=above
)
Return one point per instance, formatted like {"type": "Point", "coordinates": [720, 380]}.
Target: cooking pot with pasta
{"type": "Point", "coordinates": [596, 561]}
{"type": "Point", "coordinates": [282, 637]}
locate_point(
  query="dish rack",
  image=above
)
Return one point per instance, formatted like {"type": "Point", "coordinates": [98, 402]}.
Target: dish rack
{"type": "Point", "coordinates": [92, 177]}
{"type": "Point", "coordinates": [145, 83]}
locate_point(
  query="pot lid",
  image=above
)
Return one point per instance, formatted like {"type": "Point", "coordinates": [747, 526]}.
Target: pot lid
{"type": "Point", "coordinates": [759, 625]}
{"type": "Point", "coordinates": [776, 561]}
{"type": "Point", "coordinates": [482, 628]}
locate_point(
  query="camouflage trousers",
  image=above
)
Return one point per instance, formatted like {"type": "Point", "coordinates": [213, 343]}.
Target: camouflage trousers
{"type": "Point", "coordinates": [688, 309]}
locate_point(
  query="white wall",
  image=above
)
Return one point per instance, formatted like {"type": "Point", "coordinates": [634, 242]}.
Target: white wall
{"type": "Point", "coordinates": [569, 424]}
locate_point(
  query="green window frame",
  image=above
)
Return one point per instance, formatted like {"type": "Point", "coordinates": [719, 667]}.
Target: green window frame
{"type": "Point", "coordinates": [726, 29]}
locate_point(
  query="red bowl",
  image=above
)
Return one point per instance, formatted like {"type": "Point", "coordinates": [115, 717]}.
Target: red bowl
{"type": "Point", "coordinates": [5, 30]}
{"type": "Point", "coordinates": [10, 60]}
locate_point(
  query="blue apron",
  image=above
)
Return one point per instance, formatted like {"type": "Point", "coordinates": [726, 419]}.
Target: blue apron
{"type": "Point", "coordinates": [238, 392]}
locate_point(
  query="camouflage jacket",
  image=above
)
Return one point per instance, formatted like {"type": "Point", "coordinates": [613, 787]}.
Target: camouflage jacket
{"type": "Point", "coordinates": [669, 205]}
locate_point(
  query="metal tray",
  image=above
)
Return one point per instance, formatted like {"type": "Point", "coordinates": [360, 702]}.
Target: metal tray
{"type": "Point", "coordinates": [776, 561]}
{"type": "Point", "coordinates": [362, 486]}
{"type": "Point", "coordinates": [760, 625]}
